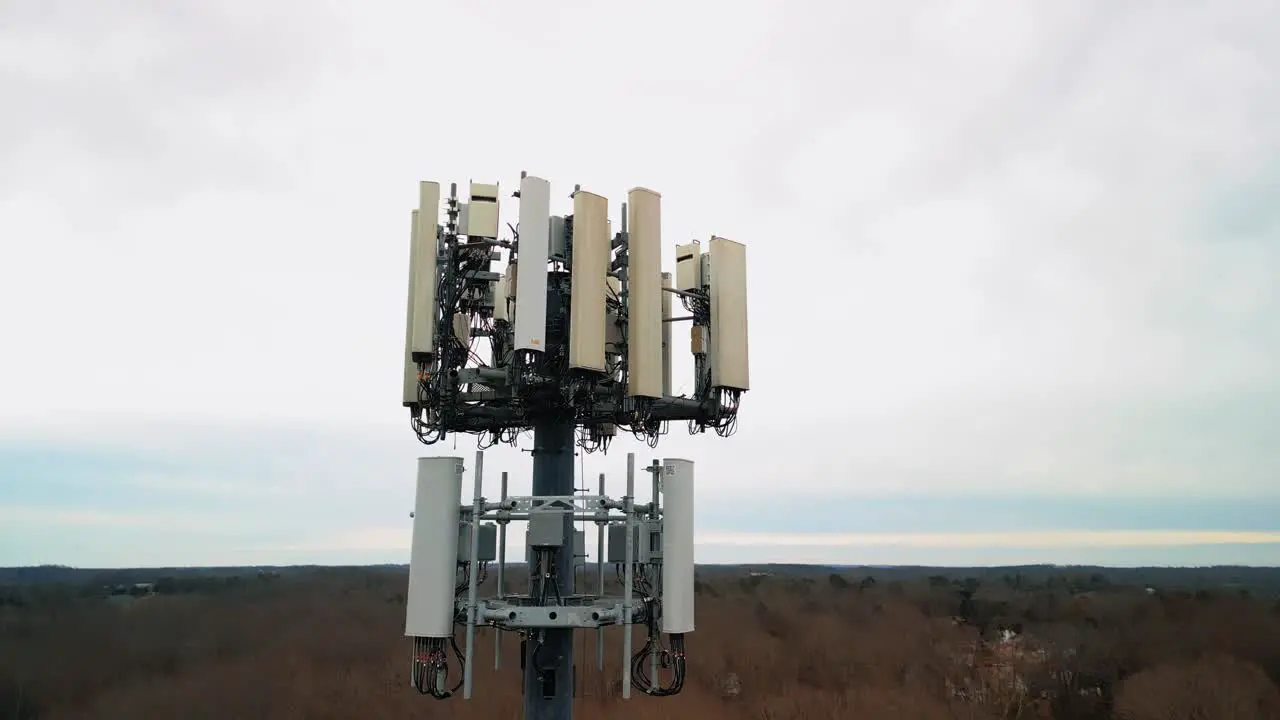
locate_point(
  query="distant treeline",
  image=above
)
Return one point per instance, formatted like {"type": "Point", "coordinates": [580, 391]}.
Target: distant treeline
{"type": "Point", "coordinates": [1257, 580]}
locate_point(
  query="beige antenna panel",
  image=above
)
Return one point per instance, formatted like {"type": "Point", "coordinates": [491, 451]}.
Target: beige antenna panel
{"type": "Point", "coordinates": [644, 293]}
{"type": "Point", "coordinates": [587, 281]}
{"type": "Point", "coordinates": [689, 267]}
{"type": "Point", "coordinates": [500, 297]}
{"type": "Point", "coordinates": [482, 211]}
{"type": "Point", "coordinates": [462, 328]}
{"type": "Point", "coordinates": [666, 335]}
{"type": "Point", "coordinates": [423, 334]}
{"type": "Point", "coordinates": [410, 394]}
{"type": "Point", "coordinates": [513, 274]}
{"type": "Point", "coordinates": [729, 366]}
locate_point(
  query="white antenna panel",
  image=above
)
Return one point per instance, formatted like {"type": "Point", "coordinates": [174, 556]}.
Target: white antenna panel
{"type": "Point", "coordinates": [688, 267]}
{"type": "Point", "coordinates": [677, 546]}
{"type": "Point", "coordinates": [666, 335]}
{"type": "Point", "coordinates": [410, 394]}
{"type": "Point", "coordinates": [482, 211]}
{"type": "Point", "coordinates": [433, 558]}
{"type": "Point", "coordinates": [531, 285]}
{"type": "Point", "coordinates": [644, 293]}
{"type": "Point", "coordinates": [423, 334]}
{"type": "Point", "coordinates": [729, 366]}
{"type": "Point", "coordinates": [590, 264]}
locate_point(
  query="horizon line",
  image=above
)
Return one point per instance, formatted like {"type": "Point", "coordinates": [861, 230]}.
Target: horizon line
{"type": "Point", "coordinates": [842, 566]}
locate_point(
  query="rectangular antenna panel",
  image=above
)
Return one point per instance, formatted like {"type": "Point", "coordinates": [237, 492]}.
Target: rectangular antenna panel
{"type": "Point", "coordinates": [729, 367]}
{"type": "Point", "coordinates": [688, 268]}
{"type": "Point", "coordinates": [500, 296]}
{"type": "Point", "coordinates": [482, 211]}
{"type": "Point", "coordinates": [678, 585]}
{"type": "Point", "coordinates": [484, 191]}
{"type": "Point", "coordinates": [612, 330]}
{"type": "Point", "coordinates": [587, 281]}
{"type": "Point", "coordinates": [666, 335]}
{"type": "Point", "coordinates": [433, 555]}
{"type": "Point", "coordinates": [698, 342]}
{"type": "Point", "coordinates": [462, 328]}
{"type": "Point", "coordinates": [644, 293]}
{"type": "Point", "coordinates": [410, 393]}
{"type": "Point", "coordinates": [558, 236]}
{"type": "Point", "coordinates": [423, 335]}
{"type": "Point", "coordinates": [531, 284]}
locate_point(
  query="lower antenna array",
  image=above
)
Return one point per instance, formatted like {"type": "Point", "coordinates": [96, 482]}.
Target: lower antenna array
{"type": "Point", "coordinates": [650, 546]}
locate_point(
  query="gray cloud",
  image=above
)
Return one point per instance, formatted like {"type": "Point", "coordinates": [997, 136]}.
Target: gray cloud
{"type": "Point", "coordinates": [152, 99]}
{"type": "Point", "coordinates": [1001, 248]}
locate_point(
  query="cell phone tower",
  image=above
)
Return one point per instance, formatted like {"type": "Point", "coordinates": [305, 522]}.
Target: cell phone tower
{"type": "Point", "coordinates": [578, 328]}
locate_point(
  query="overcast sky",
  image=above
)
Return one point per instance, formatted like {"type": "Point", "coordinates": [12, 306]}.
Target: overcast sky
{"type": "Point", "coordinates": [1014, 266]}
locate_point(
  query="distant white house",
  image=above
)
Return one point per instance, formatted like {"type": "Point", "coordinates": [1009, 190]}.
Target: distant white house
{"type": "Point", "coordinates": [134, 590]}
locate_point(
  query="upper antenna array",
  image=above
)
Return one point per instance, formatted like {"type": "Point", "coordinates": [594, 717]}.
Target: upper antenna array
{"type": "Point", "coordinates": [578, 323]}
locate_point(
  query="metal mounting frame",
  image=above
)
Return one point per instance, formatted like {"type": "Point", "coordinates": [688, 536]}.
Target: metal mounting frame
{"type": "Point", "coordinates": [516, 612]}
{"type": "Point", "coordinates": [583, 612]}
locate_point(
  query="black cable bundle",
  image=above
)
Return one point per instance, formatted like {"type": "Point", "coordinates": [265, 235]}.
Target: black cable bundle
{"type": "Point", "coordinates": [673, 658]}
{"type": "Point", "coordinates": [431, 672]}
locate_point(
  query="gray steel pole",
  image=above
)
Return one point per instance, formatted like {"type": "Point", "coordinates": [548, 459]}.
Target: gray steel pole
{"type": "Point", "coordinates": [654, 470]}
{"type": "Point", "coordinates": [473, 573]}
{"type": "Point", "coordinates": [502, 578]}
{"type": "Point", "coordinates": [600, 583]}
{"type": "Point", "coordinates": [548, 676]}
{"type": "Point", "coordinates": [628, 576]}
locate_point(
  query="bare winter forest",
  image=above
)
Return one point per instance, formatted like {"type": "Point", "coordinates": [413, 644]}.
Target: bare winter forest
{"type": "Point", "coordinates": [786, 643]}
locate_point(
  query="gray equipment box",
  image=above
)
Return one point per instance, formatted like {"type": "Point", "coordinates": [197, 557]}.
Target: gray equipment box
{"type": "Point", "coordinates": [546, 529]}
{"type": "Point", "coordinates": [579, 549]}
{"type": "Point", "coordinates": [488, 545]}
{"type": "Point", "coordinates": [647, 538]}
